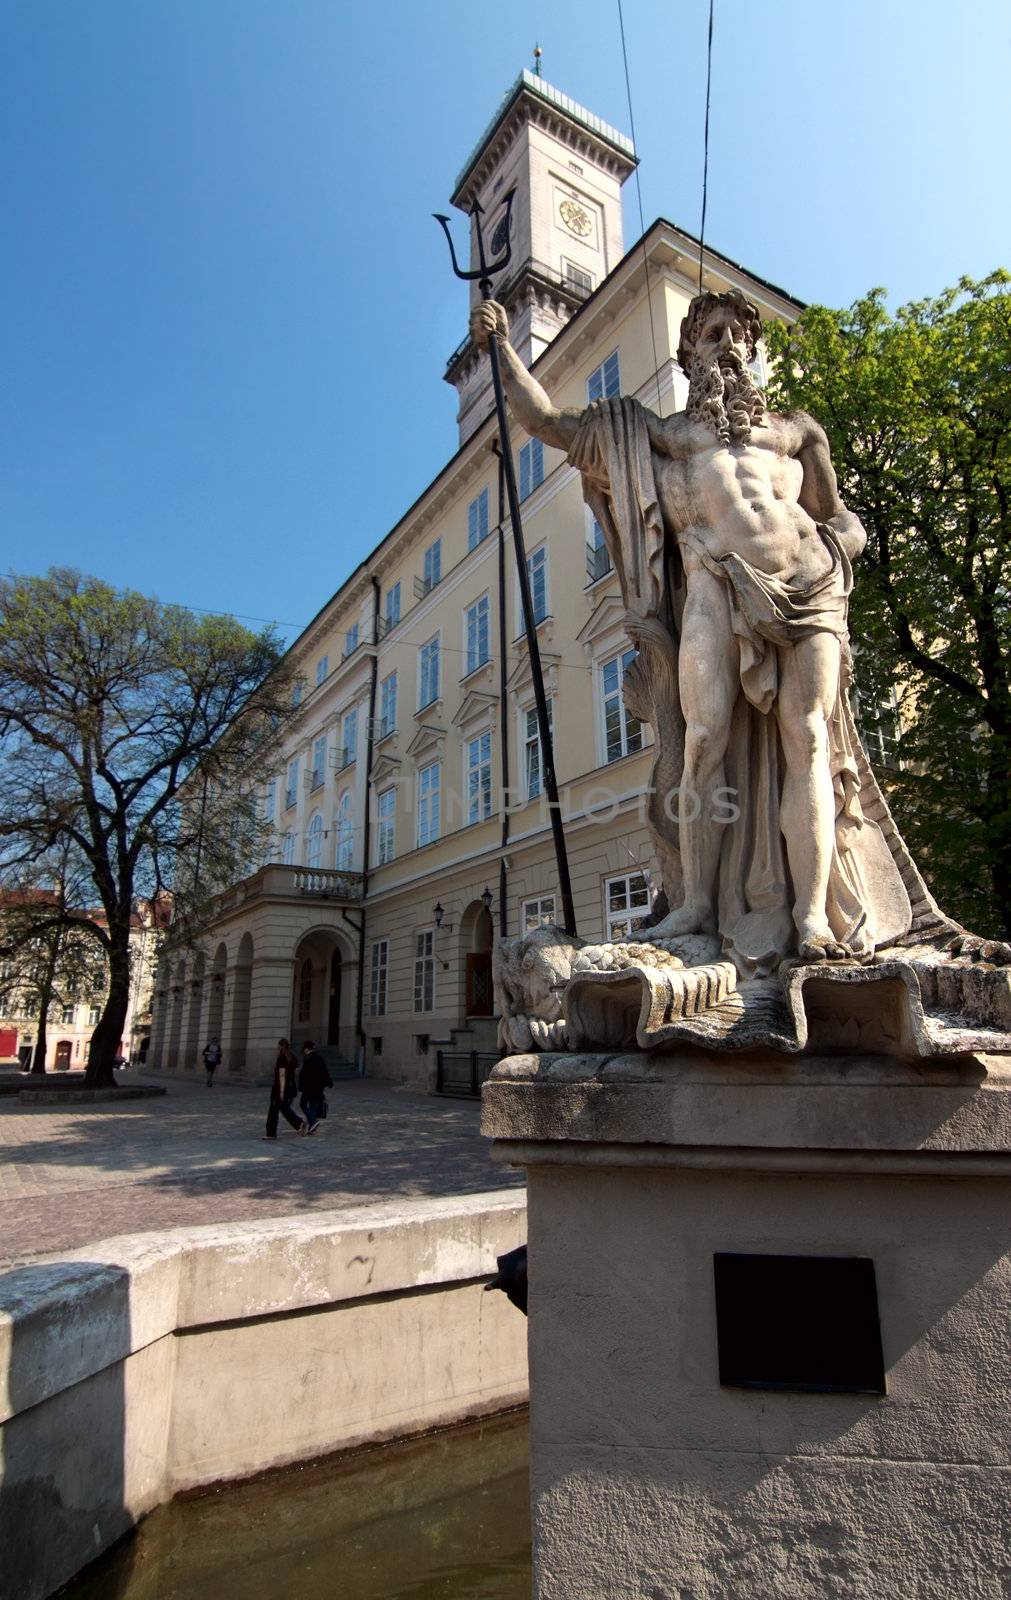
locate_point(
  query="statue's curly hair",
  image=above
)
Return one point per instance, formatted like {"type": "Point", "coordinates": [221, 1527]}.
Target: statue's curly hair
{"type": "Point", "coordinates": [701, 307]}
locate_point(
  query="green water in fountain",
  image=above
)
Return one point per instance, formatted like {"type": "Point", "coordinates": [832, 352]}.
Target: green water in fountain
{"type": "Point", "coordinates": [440, 1518]}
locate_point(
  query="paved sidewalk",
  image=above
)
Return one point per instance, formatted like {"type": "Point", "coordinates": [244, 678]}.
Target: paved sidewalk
{"type": "Point", "coordinates": [75, 1173]}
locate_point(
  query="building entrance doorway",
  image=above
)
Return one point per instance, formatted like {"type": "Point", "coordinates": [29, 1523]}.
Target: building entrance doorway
{"type": "Point", "coordinates": [334, 1009]}
{"type": "Point", "coordinates": [480, 997]}
{"type": "Point", "coordinates": [63, 1055]}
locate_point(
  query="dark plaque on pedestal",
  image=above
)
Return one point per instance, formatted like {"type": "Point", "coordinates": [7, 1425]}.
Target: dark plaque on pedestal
{"type": "Point", "coordinates": [798, 1322]}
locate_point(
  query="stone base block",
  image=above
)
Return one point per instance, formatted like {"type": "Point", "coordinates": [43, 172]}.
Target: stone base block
{"type": "Point", "coordinates": [652, 1479]}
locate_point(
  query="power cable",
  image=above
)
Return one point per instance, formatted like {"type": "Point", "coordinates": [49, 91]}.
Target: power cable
{"type": "Point", "coordinates": [642, 223]}
{"type": "Point", "coordinates": [705, 156]}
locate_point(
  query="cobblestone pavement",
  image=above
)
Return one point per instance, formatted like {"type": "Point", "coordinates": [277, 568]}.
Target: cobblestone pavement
{"type": "Point", "coordinates": [75, 1173]}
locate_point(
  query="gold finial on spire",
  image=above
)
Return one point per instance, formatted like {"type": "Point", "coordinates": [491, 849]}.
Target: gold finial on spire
{"type": "Point", "coordinates": [537, 59]}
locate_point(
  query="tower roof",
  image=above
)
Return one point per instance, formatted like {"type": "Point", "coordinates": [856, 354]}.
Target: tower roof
{"type": "Point", "coordinates": [528, 84]}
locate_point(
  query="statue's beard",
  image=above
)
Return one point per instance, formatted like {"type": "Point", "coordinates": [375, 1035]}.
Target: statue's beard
{"type": "Point", "coordinates": [724, 395]}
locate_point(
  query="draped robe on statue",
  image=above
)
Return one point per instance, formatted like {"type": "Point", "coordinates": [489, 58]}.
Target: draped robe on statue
{"type": "Point", "coordinates": [875, 896]}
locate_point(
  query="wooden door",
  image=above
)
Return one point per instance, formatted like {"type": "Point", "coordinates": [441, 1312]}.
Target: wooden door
{"type": "Point", "coordinates": [479, 985]}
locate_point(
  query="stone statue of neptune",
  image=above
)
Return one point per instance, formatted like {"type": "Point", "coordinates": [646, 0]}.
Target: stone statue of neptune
{"type": "Point", "coordinates": [734, 554]}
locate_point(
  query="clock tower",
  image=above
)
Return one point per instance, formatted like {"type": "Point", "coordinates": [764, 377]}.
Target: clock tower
{"type": "Point", "coordinates": [567, 168]}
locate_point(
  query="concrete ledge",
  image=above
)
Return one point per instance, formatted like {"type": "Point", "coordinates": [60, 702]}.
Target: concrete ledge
{"type": "Point", "coordinates": [60, 1094]}
{"type": "Point", "coordinates": [150, 1363]}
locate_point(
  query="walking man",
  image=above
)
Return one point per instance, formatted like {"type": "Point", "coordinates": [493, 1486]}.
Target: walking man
{"type": "Point", "coordinates": [282, 1092]}
{"type": "Point", "coordinates": [313, 1081]}
{"type": "Point", "coordinates": [212, 1059]}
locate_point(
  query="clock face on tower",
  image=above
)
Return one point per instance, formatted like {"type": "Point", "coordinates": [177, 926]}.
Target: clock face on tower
{"type": "Point", "coordinates": [500, 238]}
{"type": "Point", "coordinates": [576, 218]}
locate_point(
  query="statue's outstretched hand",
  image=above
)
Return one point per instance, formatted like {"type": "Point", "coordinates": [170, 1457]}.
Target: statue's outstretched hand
{"type": "Point", "coordinates": [486, 319]}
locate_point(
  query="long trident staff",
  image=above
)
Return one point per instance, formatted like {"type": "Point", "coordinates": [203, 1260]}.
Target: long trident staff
{"type": "Point", "coordinates": [484, 274]}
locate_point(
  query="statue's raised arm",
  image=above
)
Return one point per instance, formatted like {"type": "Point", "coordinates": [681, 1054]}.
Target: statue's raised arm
{"type": "Point", "coordinates": [530, 405]}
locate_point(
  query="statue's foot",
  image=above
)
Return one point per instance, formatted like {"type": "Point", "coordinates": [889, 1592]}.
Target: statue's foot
{"type": "Point", "coordinates": [820, 945]}
{"type": "Point", "coordinates": [686, 919]}
{"type": "Point", "coordinates": [977, 949]}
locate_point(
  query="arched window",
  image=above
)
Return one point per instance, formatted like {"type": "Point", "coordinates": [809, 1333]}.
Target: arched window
{"type": "Point", "coordinates": [288, 849]}
{"type": "Point", "coordinates": [314, 842]}
{"type": "Point", "coordinates": [305, 991]}
{"type": "Point", "coordinates": [345, 833]}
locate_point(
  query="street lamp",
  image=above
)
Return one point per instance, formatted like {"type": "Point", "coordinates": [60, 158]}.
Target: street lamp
{"type": "Point", "coordinates": [487, 898]}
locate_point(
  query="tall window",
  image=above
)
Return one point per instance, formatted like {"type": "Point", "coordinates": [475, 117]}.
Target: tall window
{"type": "Point", "coordinates": [345, 833]}
{"type": "Point", "coordinates": [531, 467]}
{"type": "Point", "coordinates": [479, 778]}
{"type": "Point", "coordinates": [349, 737]}
{"type": "Point", "coordinates": [379, 975]}
{"type": "Point", "coordinates": [296, 694]}
{"type": "Point", "coordinates": [386, 811]}
{"type": "Point", "coordinates": [428, 672]}
{"type": "Point", "coordinates": [604, 380]}
{"type": "Point", "coordinates": [393, 605]}
{"type": "Point", "coordinates": [428, 804]}
{"type": "Point", "coordinates": [598, 560]}
{"type": "Point", "coordinates": [270, 800]}
{"type": "Point", "coordinates": [388, 705]}
{"type": "Point", "coordinates": [288, 848]}
{"type": "Point", "coordinates": [67, 1016]}
{"type": "Point", "coordinates": [577, 278]}
{"type": "Point", "coordinates": [477, 634]}
{"type": "Point", "coordinates": [433, 566]}
{"type": "Point", "coordinates": [537, 913]}
{"type": "Point", "coordinates": [537, 570]}
{"type": "Point", "coordinates": [626, 904]}
{"type": "Point", "coordinates": [322, 668]}
{"type": "Point", "coordinates": [533, 765]}
{"type": "Point", "coordinates": [93, 1016]}
{"type": "Point", "coordinates": [314, 842]}
{"type": "Point", "coordinates": [424, 970]}
{"type": "Point", "coordinates": [291, 787]}
{"type": "Point", "coordinates": [622, 731]}
{"type": "Point", "coordinates": [304, 1007]}
{"type": "Point", "coordinates": [318, 761]}
{"type": "Point", "coordinates": [477, 520]}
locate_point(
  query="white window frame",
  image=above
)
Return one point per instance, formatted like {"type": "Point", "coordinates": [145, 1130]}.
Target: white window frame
{"type": "Point", "coordinates": [424, 971]}
{"type": "Point", "coordinates": [477, 777]}
{"type": "Point", "coordinates": [317, 772]}
{"type": "Point", "coordinates": [432, 566]}
{"type": "Point", "coordinates": [537, 912]}
{"type": "Point", "coordinates": [392, 612]}
{"type": "Point", "coordinates": [632, 915]}
{"type": "Point", "coordinates": [423, 698]}
{"type": "Point", "coordinates": [429, 803]}
{"type": "Point", "coordinates": [595, 568]}
{"type": "Point", "coordinates": [352, 639]}
{"type": "Point", "coordinates": [345, 831]}
{"type": "Point", "coordinates": [531, 474]}
{"type": "Point", "coordinates": [537, 561]}
{"type": "Point", "coordinates": [388, 691]}
{"type": "Point", "coordinates": [477, 634]}
{"type": "Point", "coordinates": [478, 520]}
{"type": "Point", "coordinates": [379, 977]}
{"type": "Point", "coordinates": [270, 801]}
{"type": "Point", "coordinates": [288, 848]}
{"type": "Point", "coordinates": [348, 751]}
{"type": "Point", "coordinates": [605, 379]}
{"type": "Point", "coordinates": [623, 660]}
{"type": "Point", "coordinates": [530, 743]}
{"type": "Point", "coordinates": [291, 785]}
{"type": "Point", "coordinates": [386, 826]}
{"type": "Point", "coordinates": [322, 668]}
{"type": "Point", "coordinates": [314, 842]}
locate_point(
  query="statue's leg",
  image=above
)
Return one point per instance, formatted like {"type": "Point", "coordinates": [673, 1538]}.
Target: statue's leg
{"type": "Point", "coordinates": [709, 678]}
{"type": "Point", "coordinates": [808, 688]}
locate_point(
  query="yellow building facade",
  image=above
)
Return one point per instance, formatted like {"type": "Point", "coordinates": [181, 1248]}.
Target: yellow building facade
{"type": "Point", "coordinates": [410, 825]}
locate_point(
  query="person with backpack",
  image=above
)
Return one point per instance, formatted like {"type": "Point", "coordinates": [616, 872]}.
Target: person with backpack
{"type": "Point", "coordinates": [282, 1092]}
{"type": "Point", "coordinates": [212, 1059]}
{"type": "Point", "coordinates": [313, 1081]}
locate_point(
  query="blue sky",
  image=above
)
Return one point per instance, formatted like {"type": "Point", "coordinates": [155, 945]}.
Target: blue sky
{"type": "Point", "coordinates": [226, 311]}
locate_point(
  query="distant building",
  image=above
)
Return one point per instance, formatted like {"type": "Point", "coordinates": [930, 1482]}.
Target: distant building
{"type": "Point", "coordinates": [409, 821]}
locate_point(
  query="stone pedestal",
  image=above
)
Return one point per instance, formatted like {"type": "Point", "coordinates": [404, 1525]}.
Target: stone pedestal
{"type": "Point", "coordinates": [652, 1479]}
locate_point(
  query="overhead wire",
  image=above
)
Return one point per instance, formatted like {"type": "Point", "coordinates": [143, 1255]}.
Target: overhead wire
{"type": "Point", "coordinates": [642, 222]}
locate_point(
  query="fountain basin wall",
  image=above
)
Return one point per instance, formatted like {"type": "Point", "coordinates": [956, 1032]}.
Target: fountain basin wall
{"type": "Point", "coordinates": [158, 1362]}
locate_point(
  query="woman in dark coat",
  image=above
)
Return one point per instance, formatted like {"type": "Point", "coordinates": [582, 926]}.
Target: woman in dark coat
{"type": "Point", "coordinates": [282, 1091]}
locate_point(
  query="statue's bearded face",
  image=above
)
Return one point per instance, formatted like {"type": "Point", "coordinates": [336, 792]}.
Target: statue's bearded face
{"type": "Point", "coordinates": [721, 390]}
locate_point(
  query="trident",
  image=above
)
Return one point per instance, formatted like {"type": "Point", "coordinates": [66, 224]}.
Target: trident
{"type": "Point", "coordinates": [484, 274]}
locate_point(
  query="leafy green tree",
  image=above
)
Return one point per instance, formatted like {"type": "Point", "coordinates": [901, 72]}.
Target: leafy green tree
{"type": "Point", "coordinates": [917, 408]}
{"type": "Point", "coordinates": [110, 705]}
